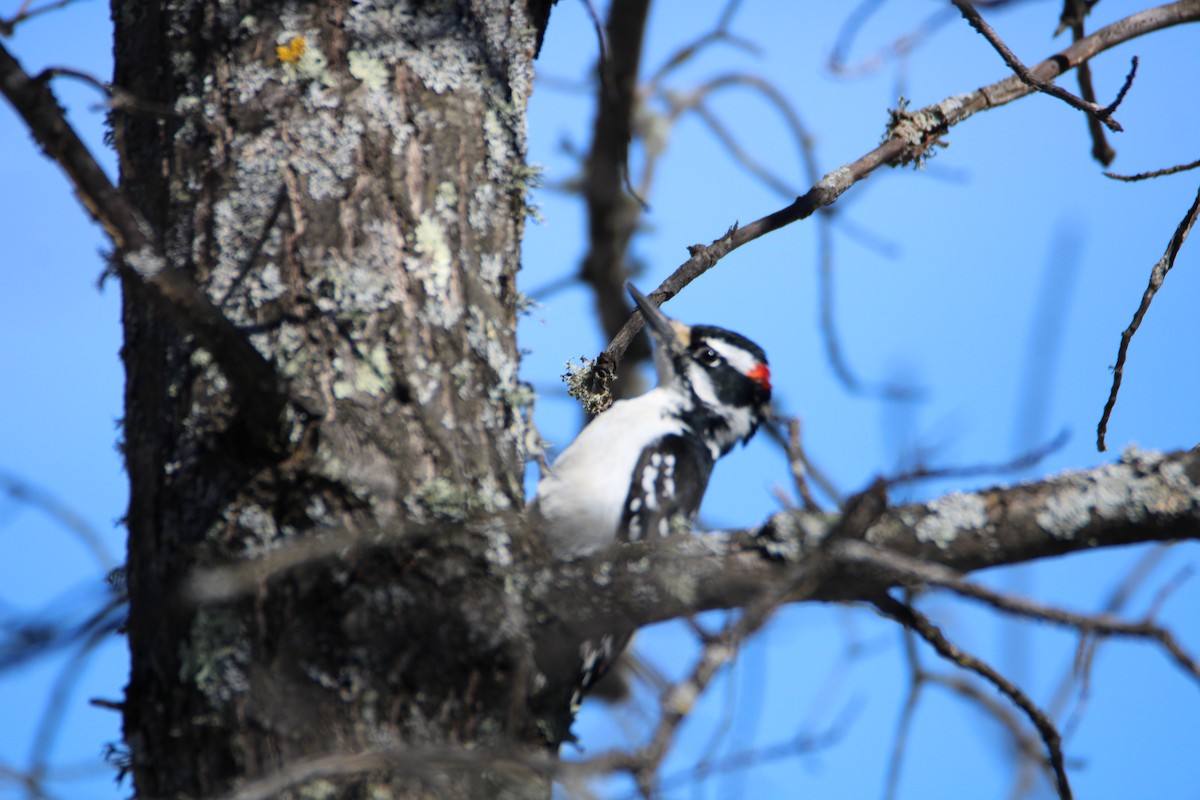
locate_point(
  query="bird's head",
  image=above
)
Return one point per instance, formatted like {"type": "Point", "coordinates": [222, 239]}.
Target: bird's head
{"type": "Point", "coordinates": [723, 372]}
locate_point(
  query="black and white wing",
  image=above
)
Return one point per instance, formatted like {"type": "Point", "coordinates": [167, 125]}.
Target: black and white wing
{"type": "Point", "coordinates": [667, 487]}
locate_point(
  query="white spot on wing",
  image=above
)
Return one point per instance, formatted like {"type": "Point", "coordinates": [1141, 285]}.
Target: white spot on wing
{"type": "Point", "coordinates": [669, 476]}
{"type": "Point", "coordinates": [650, 480]}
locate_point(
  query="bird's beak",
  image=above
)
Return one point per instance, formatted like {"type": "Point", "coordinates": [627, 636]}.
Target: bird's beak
{"type": "Point", "coordinates": [671, 334]}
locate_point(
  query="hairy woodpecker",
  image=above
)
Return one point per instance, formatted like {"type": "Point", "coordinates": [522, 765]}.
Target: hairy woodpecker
{"type": "Point", "coordinates": [640, 468]}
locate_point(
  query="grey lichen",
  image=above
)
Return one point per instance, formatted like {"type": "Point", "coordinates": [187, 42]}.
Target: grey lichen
{"type": "Point", "coordinates": [519, 395]}
{"type": "Point", "coordinates": [215, 656]}
{"type": "Point", "coordinates": [440, 498]}
{"type": "Point", "coordinates": [1132, 490]}
{"type": "Point", "coordinates": [431, 43]}
{"type": "Point", "coordinates": [248, 81]}
{"type": "Point", "coordinates": [463, 374]}
{"type": "Point", "coordinates": [499, 543]}
{"type": "Point", "coordinates": [921, 130]}
{"type": "Point", "coordinates": [582, 385]}
{"type": "Point", "coordinates": [949, 516]}
{"type": "Point", "coordinates": [1140, 486]}
{"type": "Point", "coordinates": [495, 136]}
{"type": "Point", "coordinates": [682, 585]}
{"type": "Point", "coordinates": [326, 150]}
{"type": "Point", "coordinates": [435, 269]}
{"type": "Point", "coordinates": [319, 789]}
{"type": "Point", "coordinates": [145, 262]}
{"type": "Point", "coordinates": [370, 374]}
{"type": "Point", "coordinates": [790, 535]}
{"type": "Point", "coordinates": [369, 69]}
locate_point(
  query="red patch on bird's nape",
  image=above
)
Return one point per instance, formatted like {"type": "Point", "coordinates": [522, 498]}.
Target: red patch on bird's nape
{"type": "Point", "coordinates": [761, 374]}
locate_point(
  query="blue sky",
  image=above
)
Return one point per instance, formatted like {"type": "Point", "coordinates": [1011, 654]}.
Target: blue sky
{"type": "Point", "coordinates": [951, 305]}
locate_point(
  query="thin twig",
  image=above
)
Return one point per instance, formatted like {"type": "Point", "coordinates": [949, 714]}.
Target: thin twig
{"type": "Point", "coordinates": [1157, 276]}
{"type": "Point", "coordinates": [52, 718]}
{"type": "Point", "coordinates": [898, 48]}
{"type": "Point", "coordinates": [908, 616]}
{"type": "Point", "coordinates": [798, 463]}
{"type": "Point", "coordinates": [1158, 173]}
{"type": "Point", "coordinates": [972, 15]}
{"type": "Point", "coordinates": [917, 677]}
{"type": "Point", "coordinates": [800, 744]}
{"type": "Point", "coordinates": [1018, 463]}
{"type": "Point", "coordinates": [25, 13]}
{"type": "Point", "coordinates": [1086, 624]}
{"type": "Point", "coordinates": [1112, 107]}
{"type": "Point", "coordinates": [119, 99]}
{"type": "Point", "coordinates": [689, 51]}
{"type": "Point", "coordinates": [776, 432]}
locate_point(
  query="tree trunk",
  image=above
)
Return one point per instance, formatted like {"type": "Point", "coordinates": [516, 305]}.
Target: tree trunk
{"type": "Point", "coordinates": [346, 181]}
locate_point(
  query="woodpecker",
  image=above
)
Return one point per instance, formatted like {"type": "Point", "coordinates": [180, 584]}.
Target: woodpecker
{"type": "Point", "coordinates": [640, 468]}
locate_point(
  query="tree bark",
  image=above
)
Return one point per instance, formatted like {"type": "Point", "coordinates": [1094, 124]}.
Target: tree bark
{"type": "Point", "coordinates": [346, 181]}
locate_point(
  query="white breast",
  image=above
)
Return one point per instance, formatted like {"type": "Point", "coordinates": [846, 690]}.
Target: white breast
{"type": "Point", "coordinates": [582, 496]}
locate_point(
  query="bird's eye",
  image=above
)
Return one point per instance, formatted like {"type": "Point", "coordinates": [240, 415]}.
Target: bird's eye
{"type": "Point", "coordinates": [707, 356]}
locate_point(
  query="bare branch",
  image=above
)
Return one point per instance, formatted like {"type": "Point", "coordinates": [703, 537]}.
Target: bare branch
{"type": "Point", "coordinates": [1147, 497]}
{"type": "Point", "coordinates": [1157, 276]}
{"type": "Point", "coordinates": [798, 464]}
{"type": "Point", "coordinates": [1111, 107]}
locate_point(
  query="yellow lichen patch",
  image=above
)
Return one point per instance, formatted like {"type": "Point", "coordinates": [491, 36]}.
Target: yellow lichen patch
{"type": "Point", "coordinates": [290, 53]}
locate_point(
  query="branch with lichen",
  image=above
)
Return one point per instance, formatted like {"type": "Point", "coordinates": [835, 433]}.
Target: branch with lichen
{"type": "Point", "coordinates": [808, 556]}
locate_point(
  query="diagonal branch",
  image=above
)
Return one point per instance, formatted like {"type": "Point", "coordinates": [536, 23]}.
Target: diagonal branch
{"type": "Point", "coordinates": [256, 387]}
{"type": "Point", "coordinates": [908, 140]}
{"type": "Point", "coordinates": [1157, 276]}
